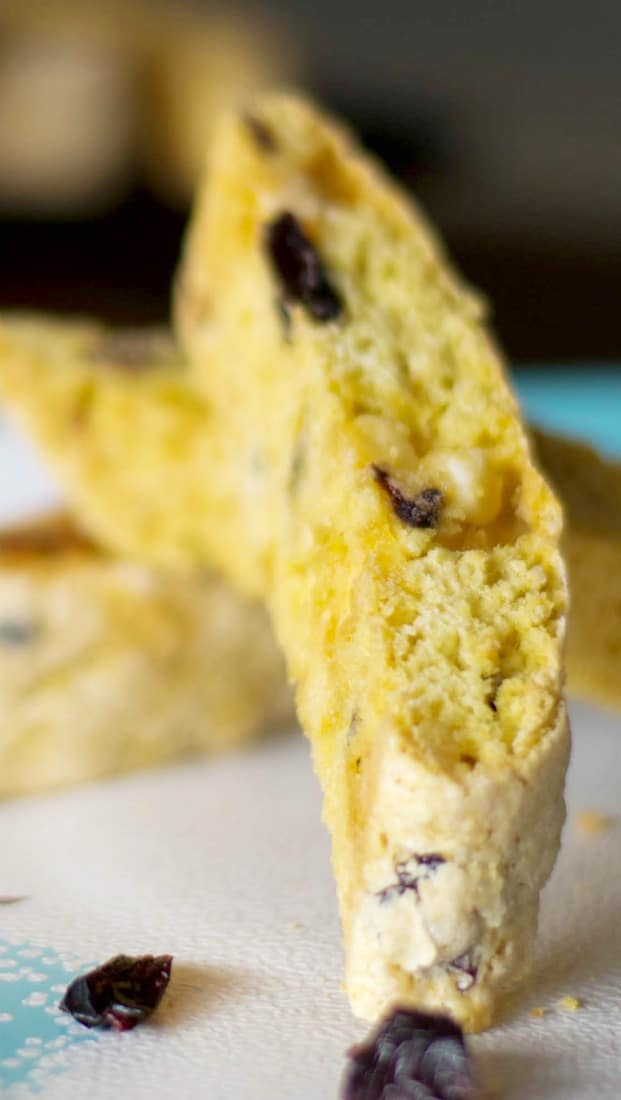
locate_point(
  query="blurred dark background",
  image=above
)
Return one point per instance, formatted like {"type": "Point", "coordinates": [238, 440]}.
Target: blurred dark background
{"type": "Point", "coordinates": [504, 119]}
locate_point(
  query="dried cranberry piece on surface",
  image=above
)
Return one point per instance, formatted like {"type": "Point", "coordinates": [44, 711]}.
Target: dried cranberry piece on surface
{"type": "Point", "coordinates": [411, 1056]}
{"type": "Point", "coordinates": [119, 994]}
{"type": "Point", "coordinates": [302, 275]}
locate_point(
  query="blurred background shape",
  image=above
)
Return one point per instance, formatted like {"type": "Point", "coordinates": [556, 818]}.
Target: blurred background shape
{"type": "Point", "coordinates": [503, 119]}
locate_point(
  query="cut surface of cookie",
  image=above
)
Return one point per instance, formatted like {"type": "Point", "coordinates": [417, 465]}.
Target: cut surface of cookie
{"type": "Point", "coordinates": [107, 665]}
{"type": "Point", "coordinates": [373, 483]}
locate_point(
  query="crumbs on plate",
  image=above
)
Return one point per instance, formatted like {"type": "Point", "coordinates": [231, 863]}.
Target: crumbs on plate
{"type": "Point", "coordinates": [592, 822]}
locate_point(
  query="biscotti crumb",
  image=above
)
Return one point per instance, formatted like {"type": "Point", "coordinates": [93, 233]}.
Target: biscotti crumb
{"type": "Point", "coordinates": [569, 1004]}
{"type": "Point", "coordinates": [538, 1013]}
{"type": "Point", "coordinates": [592, 822]}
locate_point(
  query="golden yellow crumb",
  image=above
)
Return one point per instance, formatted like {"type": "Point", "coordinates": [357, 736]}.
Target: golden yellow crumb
{"type": "Point", "coordinates": [569, 1004]}
{"type": "Point", "coordinates": [538, 1013]}
{"type": "Point", "coordinates": [593, 822]}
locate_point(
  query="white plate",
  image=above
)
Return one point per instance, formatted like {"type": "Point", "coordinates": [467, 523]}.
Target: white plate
{"type": "Point", "coordinates": [26, 486]}
{"type": "Point", "coordinates": [226, 865]}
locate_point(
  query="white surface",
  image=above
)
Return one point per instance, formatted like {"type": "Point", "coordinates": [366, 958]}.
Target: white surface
{"type": "Point", "coordinates": [26, 486]}
{"type": "Point", "coordinates": [226, 865]}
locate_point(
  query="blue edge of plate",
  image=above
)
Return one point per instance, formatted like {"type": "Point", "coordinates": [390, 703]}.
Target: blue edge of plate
{"type": "Point", "coordinates": [580, 401]}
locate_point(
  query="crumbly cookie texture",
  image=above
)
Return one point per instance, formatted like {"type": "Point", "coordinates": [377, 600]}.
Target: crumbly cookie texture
{"type": "Point", "coordinates": [106, 665]}
{"type": "Point", "coordinates": [374, 484]}
{"type": "Point", "coordinates": [113, 415]}
{"type": "Point", "coordinates": [590, 487]}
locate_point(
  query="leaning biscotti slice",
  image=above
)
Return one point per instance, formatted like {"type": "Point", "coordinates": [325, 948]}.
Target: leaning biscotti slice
{"type": "Point", "coordinates": [107, 665]}
{"type": "Point", "coordinates": [111, 413]}
{"type": "Point", "coordinates": [590, 487]}
{"type": "Point", "coordinates": [373, 482]}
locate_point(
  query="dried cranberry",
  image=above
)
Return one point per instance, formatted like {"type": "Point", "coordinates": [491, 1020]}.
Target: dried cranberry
{"type": "Point", "coordinates": [409, 874]}
{"type": "Point", "coordinates": [119, 994]}
{"type": "Point", "coordinates": [431, 860]}
{"type": "Point", "coordinates": [411, 1056]}
{"type": "Point", "coordinates": [14, 633]}
{"type": "Point", "coordinates": [422, 510]}
{"type": "Point", "coordinates": [300, 270]}
{"type": "Point", "coordinates": [261, 133]}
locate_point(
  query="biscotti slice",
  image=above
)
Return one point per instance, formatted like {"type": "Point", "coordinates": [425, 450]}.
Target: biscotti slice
{"type": "Point", "coordinates": [590, 487]}
{"type": "Point", "coordinates": [106, 665]}
{"type": "Point", "coordinates": [112, 414]}
{"type": "Point", "coordinates": [115, 416]}
{"type": "Point", "coordinates": [373, 482]}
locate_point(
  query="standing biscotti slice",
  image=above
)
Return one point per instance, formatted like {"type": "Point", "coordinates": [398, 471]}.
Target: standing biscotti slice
{"type": "Point", "coordinates": [373, 482]}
